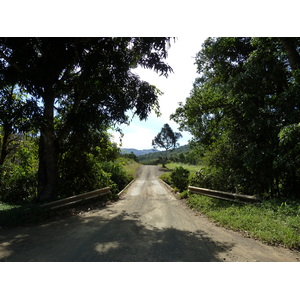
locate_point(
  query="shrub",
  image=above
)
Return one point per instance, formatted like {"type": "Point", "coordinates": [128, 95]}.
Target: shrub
{"type": "Point", "coordinates": [81, 173]}
{"type": "Point", "coordinates": [180, 178]}
{"type": "Point", "coordinates": [18, 175]}
{"type": "Point", "coordinates": [19, 188]}
{"type": "Point", "coordinates": [117, 175]}
{"type": "Point", "coordinates": [213, 178]}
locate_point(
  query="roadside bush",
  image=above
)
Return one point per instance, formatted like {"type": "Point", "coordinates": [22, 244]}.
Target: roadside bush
{"type": "Point", "coordinates": [86, 172]}
{"type": "Point", "coordinates": [213, 178]}
{"type": "Point", "coordinates": [18, 175]}
{"type": "Point", "coordinates": [117, 175]}
{"type": "Point", "coordinates": [19, 188]}
{"type": "Point", "coordinates": [180, 178]}
{"type": "Point", "coordinates": [81, 173]}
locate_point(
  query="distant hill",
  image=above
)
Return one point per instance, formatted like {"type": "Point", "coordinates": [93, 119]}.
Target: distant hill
{"type": "Point", "coordinates": [138, 152]}
{"type": "Point", "coordinates": [153, 155]}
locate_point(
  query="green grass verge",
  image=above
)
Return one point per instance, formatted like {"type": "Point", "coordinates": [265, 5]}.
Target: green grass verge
{"type": "Point", "coordinates": [191, 168]}
{"type": "Point", "coordinates": [4, 206]}
{"type": "Point", "coordinates": [129, 165]}
{"type": "Point", "coordinates": [274, 222]}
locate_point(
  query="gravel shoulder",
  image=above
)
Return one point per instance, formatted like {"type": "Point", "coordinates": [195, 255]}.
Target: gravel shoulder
{"type": "Point", "coordinates": [148, 223]}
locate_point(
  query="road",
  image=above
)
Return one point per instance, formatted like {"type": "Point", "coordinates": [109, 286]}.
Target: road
{"type": "Point", "coordinates": [148, 223]}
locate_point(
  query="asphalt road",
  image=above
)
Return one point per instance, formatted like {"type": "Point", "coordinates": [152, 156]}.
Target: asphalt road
{"type": "Point", "coordinates": [147, 224]}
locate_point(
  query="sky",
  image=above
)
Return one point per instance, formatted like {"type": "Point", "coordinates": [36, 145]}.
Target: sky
{"type": "Point", "coordinates": [176, 88]}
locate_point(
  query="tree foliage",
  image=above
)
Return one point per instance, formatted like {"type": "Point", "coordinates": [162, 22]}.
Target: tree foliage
{"type": "Point", "coordinates": [247, 96]}
{"type": "Point", "coordinates": [80, 84]}
{"type": "Point", "coordinates": [180, 177]}
{"type": "Point", "coordinates": [17, 114]}
{"type": "Point", "coordinates": [18, 184]}
{"type": "Point", "coordinates": [166, 139]}
{"type": "Point", "coordinates": [181, 154]}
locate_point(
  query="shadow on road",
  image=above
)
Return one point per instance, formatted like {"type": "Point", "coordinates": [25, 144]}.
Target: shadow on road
{"type": "Point", "coordinates": [119, 238]}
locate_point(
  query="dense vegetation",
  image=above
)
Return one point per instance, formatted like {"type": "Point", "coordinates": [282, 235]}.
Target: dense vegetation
{"type": "Point", "coordinates": [80, 170]}
{"type": "Point", "coordinates": [243, 113]}
{"type": "Point", "coordinates": [58, 98]}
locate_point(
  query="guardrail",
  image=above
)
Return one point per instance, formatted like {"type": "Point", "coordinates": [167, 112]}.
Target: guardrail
{"type": "Point", "coordinates": [76, 199]}
{"type": "Point", "coordinates": [224, 195]}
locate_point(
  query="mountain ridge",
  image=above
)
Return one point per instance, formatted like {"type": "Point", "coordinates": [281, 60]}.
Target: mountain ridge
{"type": "Point", "coordinates": [138, 152]}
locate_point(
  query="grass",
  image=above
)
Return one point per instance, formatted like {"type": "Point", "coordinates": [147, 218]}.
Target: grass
{"type": "Point", "coordinates": [129, 165]}
{"type": "Point", "coordinates": [4, 206]}
{"type": "Point", "coordinates": [274, 222]}
{"type": "Point", "coordinates": [191, 168]}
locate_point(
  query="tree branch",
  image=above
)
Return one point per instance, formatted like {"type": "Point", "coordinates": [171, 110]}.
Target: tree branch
{"type": "Point", "coordinates": [8, 60]}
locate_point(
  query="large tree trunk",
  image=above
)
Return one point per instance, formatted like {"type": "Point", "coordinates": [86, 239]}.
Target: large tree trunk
{"type": "Point", "coordinates": [4, 144]}
{"type": "Point", "coordinates": [292, 54]}
{"type": "Point", "coordinates": [48, 155]}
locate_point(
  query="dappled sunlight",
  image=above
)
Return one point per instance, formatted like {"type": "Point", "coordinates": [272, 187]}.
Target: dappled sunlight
{"type": "Point", "coordinates": [105, 247]}
{"type": "Point", "coordinates": [4, 252]}
{"type": "Point", "coordinates": [6, 247]}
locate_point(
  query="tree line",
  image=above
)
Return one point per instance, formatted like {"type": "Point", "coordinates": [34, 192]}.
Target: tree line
{"type": "Point", "coordinates": [183, 154]}
{"type": "Point", "coordinates": [59, 97]}
{"type": "Point", "coordinates": [243, 113]}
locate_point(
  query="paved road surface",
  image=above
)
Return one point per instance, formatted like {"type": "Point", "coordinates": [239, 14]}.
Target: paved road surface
{"type": "Point", "coordinates": [147, 224]}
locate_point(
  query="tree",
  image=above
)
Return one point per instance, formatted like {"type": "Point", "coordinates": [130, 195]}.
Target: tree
{"type": "Point", "coordinates": [86, 77]}
{"type": "Point", "coordinates": [291, 48]}
{"type": "Point", "coordinates": [166, 139]}
{"type": "Point", "coordinates": [245, 95]}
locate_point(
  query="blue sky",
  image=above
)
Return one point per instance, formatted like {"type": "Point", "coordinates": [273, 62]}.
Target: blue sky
{"type": "Point", "coordinates": [176, 88]}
